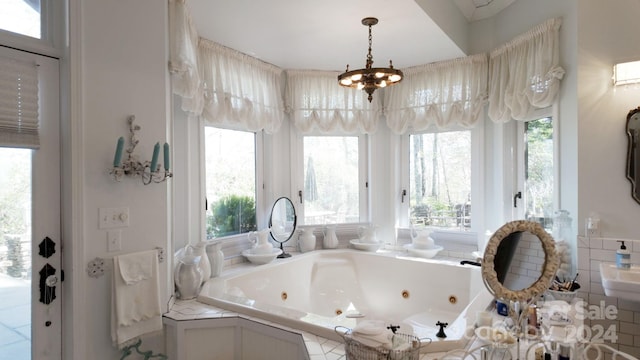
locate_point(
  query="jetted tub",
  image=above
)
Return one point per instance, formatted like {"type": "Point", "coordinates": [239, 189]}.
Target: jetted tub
{"type": "Point", "coordinates": [319, 290]}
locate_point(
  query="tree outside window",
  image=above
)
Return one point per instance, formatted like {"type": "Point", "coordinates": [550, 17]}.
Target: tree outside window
{"type": "Point", "coordinates": [440, 179]}
{"type": "Point", "coordinates": [230, 158]}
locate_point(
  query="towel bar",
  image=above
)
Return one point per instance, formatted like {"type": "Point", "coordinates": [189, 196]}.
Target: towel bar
{"type": "Point", "coordinates": [98, 266]}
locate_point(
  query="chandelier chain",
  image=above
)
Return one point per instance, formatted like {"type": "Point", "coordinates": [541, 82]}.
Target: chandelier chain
{"type": "Point", "coordinates": [369, 56]}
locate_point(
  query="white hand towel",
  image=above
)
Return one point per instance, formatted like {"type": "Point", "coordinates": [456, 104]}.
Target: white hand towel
{"type": "Point", "coordinates": [373, 333]}
{"type": "Point", "coordinates": [385, 339]}
{"type": "Point", "coordinates": [135, 297]}
{"type": "Point", "coordinates": [136, 267]}
{"type": "Point", "coordinates": [370, 327]}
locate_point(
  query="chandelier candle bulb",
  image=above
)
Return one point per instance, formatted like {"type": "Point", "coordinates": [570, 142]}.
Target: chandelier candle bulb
{"type": "Point", "coordinates": [154, 158]}
{"type": "Point", "coordinates": [166, 157]}
{"type": "Point", "coordinates": [117, 159]}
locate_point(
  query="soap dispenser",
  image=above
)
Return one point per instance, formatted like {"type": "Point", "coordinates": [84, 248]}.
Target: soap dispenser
{"type": "Point", "coordinates": [623, 257]}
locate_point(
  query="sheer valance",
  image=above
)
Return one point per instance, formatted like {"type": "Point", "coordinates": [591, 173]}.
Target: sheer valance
{"type": "Point", "coordinates": [315, 101]}
{"type": "Point", "coordinates": [225, 87]}
{"type": "Point", "coordinates": [19, 121]}
{"type": "Point", "coordinates": [445, 94]}
{"type": "Point", "coordinates": [183, 57]}
{"type": "Point", "coordinates": [241, 92]}
{"type": "Point", "coordinates": [525, 74]}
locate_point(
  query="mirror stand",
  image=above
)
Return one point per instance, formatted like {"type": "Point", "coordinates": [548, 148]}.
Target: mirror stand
{"type": "Point", "coordinates": [284, 254]}
{"type": "Point", "coordinates": [282, 223]}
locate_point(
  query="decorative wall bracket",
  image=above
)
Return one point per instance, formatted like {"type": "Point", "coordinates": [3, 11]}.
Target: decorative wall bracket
{"type": "Point", "coordinates": [98, 266]}
{"type": "Point", "coordinates": [149, 171]}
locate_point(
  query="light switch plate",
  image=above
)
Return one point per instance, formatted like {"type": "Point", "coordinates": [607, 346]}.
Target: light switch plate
{"type": "Point", "coordinates": [113, 217]}
{"type": "Point", "coordinates": [114, 240]}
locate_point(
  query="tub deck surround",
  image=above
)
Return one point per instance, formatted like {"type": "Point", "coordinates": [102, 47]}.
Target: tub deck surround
{"type": "Point", "coordinates": [317, 347]}
{"type": "Point", "coordinates": [316, 291]}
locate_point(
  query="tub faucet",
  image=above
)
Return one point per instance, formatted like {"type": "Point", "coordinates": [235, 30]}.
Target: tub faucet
{"type": "Point", "coordinates": [469, 262]}
{"type": "Point", "coordinates": [441, 333]}
{"type": "Point", "coordinates": [393, 328]}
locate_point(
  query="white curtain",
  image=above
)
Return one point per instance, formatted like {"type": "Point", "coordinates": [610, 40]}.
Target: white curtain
{"type": "Point", "coordinates": [183, 57]}
{"type": "Point", "coordinates": [19, 120]}
{"type": "Point", "coordinates": [225, 87]}
{"type": "Point", "coordinates": [445, 94]}
{"type": "Point", "coordinates": [524, 74]}
{"type": "Point", "coordinates": [315, 101]}
{"type": "Point", "coordinates": [241, 92]}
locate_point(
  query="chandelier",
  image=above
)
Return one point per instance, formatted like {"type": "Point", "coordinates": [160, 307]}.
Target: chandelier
{"type": "Point", "coordinates": [369, 79]}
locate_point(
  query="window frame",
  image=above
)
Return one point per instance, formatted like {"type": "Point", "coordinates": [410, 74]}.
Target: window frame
{"type": "Point", "coordinates": [52, 30]}
{"type": "Point", "coordinates": [297, 174]}
{"type": "Point", "coordinates": [259, 185]}
{"type": "Point", "coordinates": [477, 185]}
{"type": "Point", "coordinates": [519, 160]}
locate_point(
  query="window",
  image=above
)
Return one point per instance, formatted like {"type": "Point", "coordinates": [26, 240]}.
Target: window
{"type": "Point", "coordinates": [230, 166]}
{"type": "Point", "coordinates": [538, 171]}
{"type": "Point", "coordinates": [21, 17]}
{"type": "Point", "coordinates": [440, 179]}
{"type": "Point", "coordinates": [333, 186]}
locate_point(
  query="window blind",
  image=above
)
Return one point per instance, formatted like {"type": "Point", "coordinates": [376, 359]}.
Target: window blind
{"type": "Point", "coordinates": [19, 122]}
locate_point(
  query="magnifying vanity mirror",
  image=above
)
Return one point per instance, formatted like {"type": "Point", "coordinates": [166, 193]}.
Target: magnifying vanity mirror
{"type": "Point", "coordinates": [633, 152]}
{"type": "Point", "coordinates": [504, 267]}
{"type": "Point", "coordinates": [282, 223]}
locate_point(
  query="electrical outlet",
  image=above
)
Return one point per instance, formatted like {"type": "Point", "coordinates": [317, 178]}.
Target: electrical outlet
{"type": "Point", "coordinates": [114, 240]}
{"type": "Point", "coordinates": [113, 217]}
{"type": "Point", "coordinates": [592, 227]}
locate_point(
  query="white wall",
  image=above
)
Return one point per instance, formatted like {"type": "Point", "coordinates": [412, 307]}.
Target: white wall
{"type": "Point", "coordinates": [122, 51]}
{"type": "Point", "coordinates": [608, 34]}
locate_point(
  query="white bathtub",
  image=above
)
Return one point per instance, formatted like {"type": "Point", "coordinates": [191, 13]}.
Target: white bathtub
{"type": "Point", "coordinates": [319, 290]}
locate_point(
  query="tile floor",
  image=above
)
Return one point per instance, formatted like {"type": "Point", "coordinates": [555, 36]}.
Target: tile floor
{"type": "Point", "coordinates": [15, 318]}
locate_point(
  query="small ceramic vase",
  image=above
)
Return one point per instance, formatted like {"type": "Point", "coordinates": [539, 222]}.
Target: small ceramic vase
{"type": "Point", "coordinates": [260, 240]}
{"type": "Point", "coordinates": [188, 277]}
{"type": "Point", "coordinates": [205, 266]}
{"type": "Point", "coordinates": [330, 240]}
{"type": "Point", "coordinates": [306, 240]}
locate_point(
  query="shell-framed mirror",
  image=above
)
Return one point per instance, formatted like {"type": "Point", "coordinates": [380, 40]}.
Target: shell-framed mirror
{"type": "Point", "coordinates": [503, 245]}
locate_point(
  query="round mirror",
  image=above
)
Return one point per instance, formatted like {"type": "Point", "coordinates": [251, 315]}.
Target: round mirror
{"type": "Point", "coordinates": [520, 261]}
{"type": "Point", "coordinates": [282, 223]}
{"type": "Point", "coordinates": [633, 152]}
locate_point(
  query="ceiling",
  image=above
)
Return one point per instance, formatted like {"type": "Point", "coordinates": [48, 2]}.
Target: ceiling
{"type": "Point", "coordinates": [328, 34]}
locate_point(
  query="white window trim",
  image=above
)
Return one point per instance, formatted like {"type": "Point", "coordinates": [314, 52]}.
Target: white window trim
{"type": "Point", "coordinates": [262, 210]}
{"type": "Point", "coordinates": [297, 176]}
{"type": "Point", "coordinates": [477, 187]}
{"type": "Point", "coordinates": [552, 111]}
{"type": "Point", "coordinates": [52, 29]}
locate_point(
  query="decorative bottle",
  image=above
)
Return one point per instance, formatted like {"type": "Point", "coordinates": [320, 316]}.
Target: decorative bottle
{"type": "Point", "coordinates": [217, 260]}
{"type": "Point", "coordinates": [205, 266]}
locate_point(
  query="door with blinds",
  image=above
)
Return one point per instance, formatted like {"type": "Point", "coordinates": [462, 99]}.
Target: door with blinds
{"type": "Point", "coordinates": [30, 238]}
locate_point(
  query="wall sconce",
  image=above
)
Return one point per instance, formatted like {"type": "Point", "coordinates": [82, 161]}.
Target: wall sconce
{"type": "Point", "coordinates": [626, 73]}
{"type": "Point", "coordinates": [149, 171]}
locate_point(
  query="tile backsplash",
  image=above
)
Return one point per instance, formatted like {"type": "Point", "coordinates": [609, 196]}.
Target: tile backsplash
{"type": "Point", "coordinates": [621, 331]}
